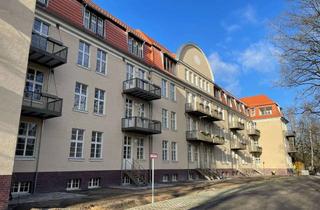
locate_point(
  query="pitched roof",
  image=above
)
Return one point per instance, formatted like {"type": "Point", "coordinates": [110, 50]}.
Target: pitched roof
{"type": "Point", "coordinates": [258, 100]}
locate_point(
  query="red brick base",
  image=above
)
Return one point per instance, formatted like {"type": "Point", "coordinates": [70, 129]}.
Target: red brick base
{"type": "Point", "coordinates": [5, 183]}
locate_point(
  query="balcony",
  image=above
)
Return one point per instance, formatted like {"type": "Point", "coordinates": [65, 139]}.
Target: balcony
{"type": "Point", "coordinates": [41, 105]}
{"type": "Point", "coordinates": [141, 89]}
{"type": "Point", "coordinates": [255, 149]}
{"type": "Point", "coordinates": [238, 145]}
{"type": "Point", "coordinates": [199, 110]}
{"type": "Point", "coordinates": [237, 126]}
{"type": "Point", "coordinates": [207, 137]}
{"type": "Point", "coordinates": [47, 51]}
{"type": "Point", "coordinates": [141, 125]}
{"type": "Point", "coordinates": [253, 132]}
{"type": "Point", "coordinates": [290, 133]}
{"type": "Point", "coordinates": [215, 115]}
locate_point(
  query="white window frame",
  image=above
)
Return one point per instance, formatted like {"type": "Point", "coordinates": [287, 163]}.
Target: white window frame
{"type": "Point", "coordinates": [140, 149]}
{"type": "Point", "coordinates": [165, 178]}
{"type": "Point", "coordinates": [94, 183]}
{"type": "Point", "coordinates": [165, 122]}
{"type": "Point", "coordinates": [73, 184]}
{"type": "Point", "coordinates": [174, 151]}
{"type": "Point", "coordinates": [26, 138]}
{"type": "Point", "coordinates": [96, 141]}
{"type": "Point", "coordinates": [19, 188]}
{"type": "Point", "coordinates": [187, 75]}
{"type": "Point", "coordinates": [173, 121]}
{"type": "Point", "coordinates": [102, 61]}
{"type": "Point", "coordinates": [165, 150]}
{"type": "Point", "coordinates": [78, 142]}
{"type": "Point", "coordinates": [98, 100]}
{"type": "Point", "coordinates": [172, 92]}
{"type": "Point", "coordinates": [190, 153]}
{"type": "Point", "coordinates": [81, 95]}
{"type": "Point", "coordinates": [82, 54]}
{"type": "Point", "coordinates": [174, 177]}
{"type": "Point", "coordinates": [164, 91]}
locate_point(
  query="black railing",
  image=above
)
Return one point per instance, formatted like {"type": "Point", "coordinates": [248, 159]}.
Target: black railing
{"type": "Point", "coordinates": [142, 88]}
{"type": "Point", "coordinates": [141, 125]}
{"type": "Point", "coordinates": [41, 104]}
{"type": "Point", "coordinates": [49, 47]}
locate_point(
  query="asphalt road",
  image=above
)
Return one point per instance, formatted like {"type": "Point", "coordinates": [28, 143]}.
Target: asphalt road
{"type": "Point", "coordinates": [275, 194]}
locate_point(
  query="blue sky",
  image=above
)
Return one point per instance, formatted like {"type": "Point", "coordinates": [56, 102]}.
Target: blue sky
{"type": "Point", "coordinates": [234, 34]}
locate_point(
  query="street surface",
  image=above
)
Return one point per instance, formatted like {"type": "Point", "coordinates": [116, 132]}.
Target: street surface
{"type": "Point", "coordinates": [276, 194]}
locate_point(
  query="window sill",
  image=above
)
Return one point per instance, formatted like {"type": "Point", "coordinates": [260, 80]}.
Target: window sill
{"type": "Point", "coordinates": [101, 74]}
{"type": "Point", "coordinates": [22, 158]}
{"type": "Point", "coordinates": [96, 159]}
{"type": "Point", "coordinates": [94, 187]}
{"type": "Point", "coordinates": [175, 161]}
{"type": "Point", "coordinates": [80, 111]}
{"type": "Point", "coordinates": [76, 159]}
{"type": "Point", "coordinates": [99, 115]}
{"type": "Point", "coordinates": [75, 189]}
{"type": "Point", "coordinates": [83, 67]}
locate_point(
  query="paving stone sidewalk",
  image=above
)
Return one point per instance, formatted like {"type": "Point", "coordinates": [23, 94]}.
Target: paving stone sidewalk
{"type": "Point", "coordinates": [185, 202]}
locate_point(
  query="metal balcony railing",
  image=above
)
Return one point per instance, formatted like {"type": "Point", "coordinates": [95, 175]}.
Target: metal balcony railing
{"type": "Point", "coordinates": [237, 126]}
{"type": "Point", "coordinates": [47, 51]}
{"type": "Point", "coordinates": [141, 89]}
{"type": "Point", "coordinates": [141, 125]}
{"type": "Point", "coordinates": [236, 144]}
{"type": "Point", "coordinates": [255, 149]}
{"type": "Point", "coordinates": [203, 136]}
{"type": "Point", "coordinates": [254, 132]}
{"type": "Point", "coordinates": [41, 105]}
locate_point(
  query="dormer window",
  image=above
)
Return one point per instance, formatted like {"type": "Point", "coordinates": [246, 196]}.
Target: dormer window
{"type": "Point", "coordinates": [169, 64]}
{"type": "Point", "coordinates": [135, 46]}
{"type": "Point", "coordinates": [93, 22]}
{"type": "Point", "coordinates": [266, 110]}
{"type": "Point", "coordinates": [43, 2]}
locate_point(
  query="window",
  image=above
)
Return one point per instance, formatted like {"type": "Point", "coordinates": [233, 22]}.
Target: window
{"type": "Point", "coordinates": [165, 123]}
{"type": "Point", "coordinates": [174, 177]}
{"type": "Point", "coordinates": [172, 91]}
{"type": "Point", "coordinates": [208, 87]}
{"type": "Point", "coordinates": [96, 145]}
{"type": "Point", "coordinates": [127, 148]}
{"type": "Point", "coordinates": [174, 151]}
{"type": "Point", "coordinates": [165, 178]}
{"type": "Point", "coordinates": [129, 108]}
{"type": "Point", "coordinates": [94, 183]}
{"type": "Point", "coordinates": [40, 28]}
{"type": "Point", "coordinates": [84, 54]}
{"type": "Point", "coordinates": [76, 146]}
{"type": "Point", "coordinates": [169, 64]}
{"type": "Point", "coordinates": [197, 81]}
{"type": "Point", "coordinates": [21, 188]}
{"type": "Point", "coordinates": [141, 110]}
{"type": "Point", "coordinates": [73, 184]}
{"type": "Point", "coordinates": [140, 149]}
{"type": "Point", "coordinates": [173, 121]}
{"type": "Point", "coordinates": [191, 78]}
{"type": "Point", "coordinates": [190, 153]}
{"type": "Point", "coordinates": [135, 47]}
{"type": "Point", "coordinates": [34, 84]}
{"type": "Point", "coordinates": [266, 110]}
{"type": "Point", "coordinates": [99, 97]}
{"type": "Point", "coordinates": [187, 75]}
{"type": "Point", "coordinates": [164, 88]}
{"type": "Point", "coordinates": [200, 83]}
{"type": "Point", "coordinates": [43, 2]}
{"type": "Point", "coordinates": [93, 22]}
{"type": "Point", "coordinates": [101, 62]}
{"type": "Point", "coordinates": [26, 139]}
{"type": "Point", "coordinates": [80, 97]}
{"type": "Point", "coordinates": [196, 153]}
{"type": "Point", "coordinates": [165, 150]}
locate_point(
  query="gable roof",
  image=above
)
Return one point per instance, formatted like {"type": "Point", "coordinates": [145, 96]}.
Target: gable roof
{"type": "Point", "coordinates": [258, 100]}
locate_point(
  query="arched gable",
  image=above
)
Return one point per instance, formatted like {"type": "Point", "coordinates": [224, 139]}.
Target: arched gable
{"type": "Point", "coordinates": [192, 55]}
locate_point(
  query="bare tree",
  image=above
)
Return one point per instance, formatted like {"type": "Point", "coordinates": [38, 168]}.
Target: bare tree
{"type": "Point", "coordinates": [297, 35]}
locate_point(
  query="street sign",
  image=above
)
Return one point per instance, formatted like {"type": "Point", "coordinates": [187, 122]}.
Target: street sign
{"type": "Point", "coordinates": [153, 155]}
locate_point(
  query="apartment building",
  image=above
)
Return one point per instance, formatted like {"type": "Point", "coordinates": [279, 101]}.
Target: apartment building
{"type": "Point", "coordinates": [277, 141]}
{"type": "Point", "coordinates": [100, 96]}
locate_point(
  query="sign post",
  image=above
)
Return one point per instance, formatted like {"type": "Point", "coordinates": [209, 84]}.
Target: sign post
{"type": "Point", "coordinates": [152, 157]}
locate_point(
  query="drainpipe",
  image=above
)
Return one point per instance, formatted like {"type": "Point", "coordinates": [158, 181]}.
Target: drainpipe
{"type": "Point", "coordinates": [38, 158]}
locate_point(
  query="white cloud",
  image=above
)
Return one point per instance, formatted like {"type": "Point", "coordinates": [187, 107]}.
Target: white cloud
{"type": "Point", "coordinates": [227, 74]}
{"type": "Point", "coordinates": [260, 56]}
{"type": "Point", "coordinates": [230, 27]}
{"type": "Point", "coordinates": [249, 14]}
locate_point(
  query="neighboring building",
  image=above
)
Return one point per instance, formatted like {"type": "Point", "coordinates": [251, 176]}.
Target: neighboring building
{"type": "Point", "coordinates": [101, 96]}
{"type": "Point", "coordinates": [277, 141]}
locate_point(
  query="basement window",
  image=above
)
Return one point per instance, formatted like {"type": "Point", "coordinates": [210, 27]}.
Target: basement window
{"type": "Point", "coordinates": [94, 183]}
{"type": "Point", "coordinates": [21, 188]}
{"type": "Point", "coordinates": [165, 178]}
{"type": "Point", "coordinates": [73, 184]}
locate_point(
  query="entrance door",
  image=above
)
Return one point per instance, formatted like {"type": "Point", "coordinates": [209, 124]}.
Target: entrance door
{"type": "Point", "coordinates": [127, 153]}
